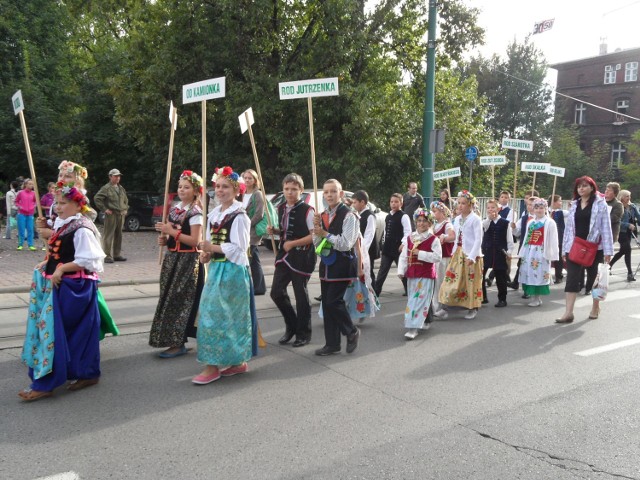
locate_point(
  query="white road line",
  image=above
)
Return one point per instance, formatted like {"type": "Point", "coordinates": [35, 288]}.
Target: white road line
{"type": "Point", "coordinates": [62, 476]}
{"type": "Point", "coordinates": [608, 348]}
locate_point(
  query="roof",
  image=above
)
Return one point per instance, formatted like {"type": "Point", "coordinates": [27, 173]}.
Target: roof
{"type": "Point", "coordinates": [623, 53]}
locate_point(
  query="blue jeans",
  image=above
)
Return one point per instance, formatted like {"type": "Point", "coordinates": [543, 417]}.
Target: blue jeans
{"type": "Point", "coordinates": [25, 225]}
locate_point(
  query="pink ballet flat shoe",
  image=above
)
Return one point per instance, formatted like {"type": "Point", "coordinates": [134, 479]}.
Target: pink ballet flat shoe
{"type": "Point", "coordinates": [206, 379]}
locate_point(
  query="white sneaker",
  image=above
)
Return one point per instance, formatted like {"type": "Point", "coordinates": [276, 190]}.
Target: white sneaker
{"type": "Point", "coordinates": [536, 303]}
{"type": "Point", "coordinates": [411, 334]}
{"type": "Point", "coordinates": [471, 314]}
{"type": "Point", "coordinates": [441, 314]}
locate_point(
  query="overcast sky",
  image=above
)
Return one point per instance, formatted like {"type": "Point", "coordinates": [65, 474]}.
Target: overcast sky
{"type": "Point", "coordinates": [577, 29]}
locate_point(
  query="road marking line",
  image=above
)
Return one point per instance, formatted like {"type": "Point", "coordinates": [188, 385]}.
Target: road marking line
{"type": "Point", "coordinates": [608, 348]}
{"type": "Point", "coordinates": [62, 476]}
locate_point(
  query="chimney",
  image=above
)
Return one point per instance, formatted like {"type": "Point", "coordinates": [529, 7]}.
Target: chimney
{"type": "Point", "coordinates": [603, 45]}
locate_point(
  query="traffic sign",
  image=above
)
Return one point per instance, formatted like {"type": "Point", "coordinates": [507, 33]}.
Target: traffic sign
{"type": "Point", "coordinates": [471, 153]}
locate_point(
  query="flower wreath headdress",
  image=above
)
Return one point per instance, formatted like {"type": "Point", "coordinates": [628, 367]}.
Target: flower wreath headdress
{"type": "Point", "coordinates": [71, 167]}
{"type": "Point", "coordinates": [423, 212]}
{"type": "Point", "coordinates": [194, 178]}
{"type": "Point", "coordinates": [442, 207]}
{"type": "Point", "coordinates": [540, 202]}
{"type": "Point", "coordinates": [70, 192]}
{"type": "Point", "coordinates": [468, 195]}
{"type": "Point", "coordinates": [228, 173]}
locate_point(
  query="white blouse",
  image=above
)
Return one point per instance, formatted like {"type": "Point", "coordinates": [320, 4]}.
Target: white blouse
{"type": "Point", "coordinates": [238, 243]}
{"type": "Point", "coordinates": [471, 235]}
{"type": "Point", "coordinates": [88, 251]}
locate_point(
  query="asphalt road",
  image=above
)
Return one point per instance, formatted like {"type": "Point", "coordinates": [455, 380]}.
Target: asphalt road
{"type": "Point", "coordinates": [509, 395]}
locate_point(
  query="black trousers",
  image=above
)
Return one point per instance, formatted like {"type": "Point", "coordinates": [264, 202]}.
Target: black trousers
{"type": "Point", "coordinates": [298, 321]}
{"type": "Point", "coordinates": [575, 274]}
{"type": "Point", "coordinates": [385, 265]}
{"type": "Point", "coordinates": [257, 275]}
{"type": "Point", "coordinates": [336, 316]}
{"type": "Point", "coordinates": [501, 283]}
{"type": "Point", "coordinates": [559, 264]}
{"type": "Point", "coordinates": [624, 239]}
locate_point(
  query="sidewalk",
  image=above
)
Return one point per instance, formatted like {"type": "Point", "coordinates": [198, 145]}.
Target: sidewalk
{"type": "Point", "coordinates": [140, 249]}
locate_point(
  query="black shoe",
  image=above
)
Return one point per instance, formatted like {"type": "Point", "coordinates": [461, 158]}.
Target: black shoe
{"type": "Point", "coordinates": [631, 278]}
{"type": "Point", "coordinates": [352, 341]}
{"type": "Point", "coordinates": [488, 282]}
{"type": "Point", "coordinates": [558, 280]}
{"type": "Point", "coordinates": [513, 285]}
{"type": "Point", "coordinates": [326, 350]}
{"type": "Point", "coordinates": [500, 304]}
{"type": "Point", "coordinates": [404, 294]}
{"type": "Point", "coordinates": [485, 301]}
{"type": "Point", "coordinates": [318, 298]}
{"type": "Point", "coordinates": [286, 338]}
{"type": "Point", "coordinates": [108, 260]}
{"type": "Point", "coordinates": [301, 342]}
{"type": "Point", "coordinates": [587, 292]}
{"type": "Point", "coordinates": [526, 296]}
{"type": "Point", "coordinates": [120, 259]}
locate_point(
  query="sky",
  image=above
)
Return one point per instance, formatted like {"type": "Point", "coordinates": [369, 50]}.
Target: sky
{"type": "Point", "coordinates": [578, 27]}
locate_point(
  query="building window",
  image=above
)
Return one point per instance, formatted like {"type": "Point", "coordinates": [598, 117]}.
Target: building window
{"type": "Point", "coordinates": [609, 74]}
{"type": "Point", "coordinates": [579, 114]}
{"type": "Point", "coordinates": [630, 72]}
{"type": "Point", "coordinates": [617, 154]}
{"type": "Point", "coordinates": [622, 106]}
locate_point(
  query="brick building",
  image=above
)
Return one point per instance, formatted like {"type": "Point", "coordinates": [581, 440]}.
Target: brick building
{"type": "Point", "coordinates": [609, 80]}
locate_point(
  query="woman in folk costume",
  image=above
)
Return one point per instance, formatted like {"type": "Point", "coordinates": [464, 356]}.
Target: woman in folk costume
{"type": "Point", "coordinates": [539, 249]}
{"type": "Point", "coordinates": [63, 327]}
{"type": "Point", "coordinates": [462, 285]}
{"type": "Point", "coordinates": [444, 230]}
{"type": "Point", "coordinates": [421, 252]}
{"type": "Point", "coordinates": [182, 275]}
{"type": "Point", "coordinates": [225, 336]}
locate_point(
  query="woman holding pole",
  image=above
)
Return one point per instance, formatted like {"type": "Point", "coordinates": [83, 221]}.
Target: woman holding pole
{"type": "Point", "coordinates": [253, 203]}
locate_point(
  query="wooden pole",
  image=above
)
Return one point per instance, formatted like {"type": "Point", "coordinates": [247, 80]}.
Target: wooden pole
{"type": "Point", "coordinates": [313, 155]}
{"type": "Point", "coordinates": [449, 191]}
{"type": "Point", "coordinates": [30, 159]}
{"type": "Point", "coordinates": [554, 192]}
{"type": "Point", "coordinates": [493, 181]}
{"type": "Point", "coordinates": [515, 188]}
{"type": "Point", "coordinates": [167, 181]}
{"type": "Point", "coordinates": [259, 172]}
{"type": "Point", "coordinates": [533, 187]}
{"type": "Point", "coordinates": [205, 181]}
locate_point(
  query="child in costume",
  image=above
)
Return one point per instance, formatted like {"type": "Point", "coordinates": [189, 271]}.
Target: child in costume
{"type": "Point", "coordinates": [421, 252]}
{"type": "Point", "coordinates": [444, 230]}
{"type": "Point", "coordinates": [182, 274]}
{"type": "Point", "coordinates": [295, 261]}
{"type": "Point", "coordinates": [335, 233]}
{"type": "Point", "coordinates": [558, 215]}
{"type": "Point", "coordinates": [497, 244]}
{"type": "Point", "coordinates": [63, 327]}
{"type": "Point", "coordinates": [462, 286]}
{"type": "Point", "coordinates": [397, 227]}
{"type": "Point", "coordinates": [225, 338]}
{"type": "Point", "coordinates": [539, 249]}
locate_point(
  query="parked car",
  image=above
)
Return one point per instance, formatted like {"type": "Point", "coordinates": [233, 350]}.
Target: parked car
{"type": "Point", "coordinates": [308, 197]}
{"type": "Point", "coordinates": [157, 210]}
{"type": "Point", "coordinates": [141, 210]}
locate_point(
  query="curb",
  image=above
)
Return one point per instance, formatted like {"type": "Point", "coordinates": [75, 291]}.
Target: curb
{"type": "Point", "coordinates": [111, 283]}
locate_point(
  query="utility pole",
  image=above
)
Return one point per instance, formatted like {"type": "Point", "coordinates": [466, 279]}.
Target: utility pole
{"type": "Point", "coordinates": [429, 113]}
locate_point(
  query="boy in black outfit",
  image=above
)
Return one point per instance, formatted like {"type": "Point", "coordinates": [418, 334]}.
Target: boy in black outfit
{"type": "Point", "coordinates": [497, 243]}
{"type": "Point", "coordinates": [295, 261]}
{"type": "Point", "coordinates": [336, 231]}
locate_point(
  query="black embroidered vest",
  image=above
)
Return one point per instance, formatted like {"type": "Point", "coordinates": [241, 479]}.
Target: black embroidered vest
{"type": "Point", "coordinates": [374, 248]}
{"type": "Point", "coordinates": [300, 259]}
{"type": "Point", "coordinates": [393, 234]}
{"type": "Point", "coordinates": [60, 245]}
{"type": "Point", "coordinates": [180, 220]}
{"type": "Point", "coordinates": [220, 233]}
{"type": "Point", "coordinates": [344, 265]}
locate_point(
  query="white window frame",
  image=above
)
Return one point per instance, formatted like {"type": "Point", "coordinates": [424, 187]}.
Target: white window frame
{"type": "Point", "coordinates": [609, 75]}
{"type": "Point", "coordinates": [579, 114]}
{"type": "Point", "coordinates": [622, 106]}
{"type": "Point", "coordinates": [617, 154]}
{"type": "Point", "coordinates": [631, 72]}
